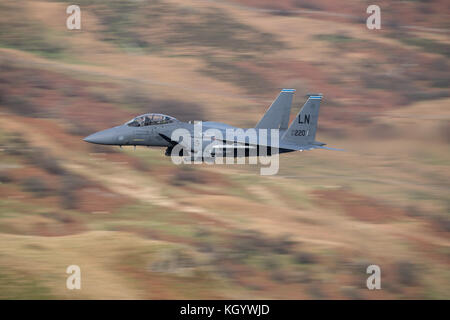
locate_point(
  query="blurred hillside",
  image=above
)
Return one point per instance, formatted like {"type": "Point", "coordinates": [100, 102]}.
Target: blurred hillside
{"type": "Point", "coordinates": [142, 228]}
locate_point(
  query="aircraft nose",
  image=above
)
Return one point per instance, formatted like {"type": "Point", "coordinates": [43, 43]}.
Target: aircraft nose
{"type": "Point", "coordinates": [103, 137]}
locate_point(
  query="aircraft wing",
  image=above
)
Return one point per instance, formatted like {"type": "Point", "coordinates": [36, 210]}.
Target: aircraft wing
{"type": "Point", "coordinates": [288, 146]}
{"type": "Point", "coordinates": [227, 144]}
{"type": "Point", "coordinates": [306, 147]}
{"type": "Point", "coordinates": [172, 142]}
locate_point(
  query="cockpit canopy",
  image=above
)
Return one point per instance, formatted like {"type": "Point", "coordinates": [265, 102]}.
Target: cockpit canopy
{"type": "Point", "coordinates": [150, 119]}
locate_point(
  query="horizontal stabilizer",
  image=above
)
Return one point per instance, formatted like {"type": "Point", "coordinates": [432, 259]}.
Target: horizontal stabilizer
{"type": "Point", "coordinates": [328, 148]}
{"type": "Point", "coordinates": [305, 147]}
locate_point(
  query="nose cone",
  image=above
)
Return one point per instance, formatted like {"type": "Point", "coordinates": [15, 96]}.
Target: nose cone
{"type": "Point", "coordinates": [108, 137]}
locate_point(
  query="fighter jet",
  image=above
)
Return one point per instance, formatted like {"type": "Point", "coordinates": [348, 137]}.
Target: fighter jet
{"type": "Point", "coordinates": [213, 139]}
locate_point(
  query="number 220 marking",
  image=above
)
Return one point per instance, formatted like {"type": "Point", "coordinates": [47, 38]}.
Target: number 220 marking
{"type": "Point", "coordinates": [299, 133]}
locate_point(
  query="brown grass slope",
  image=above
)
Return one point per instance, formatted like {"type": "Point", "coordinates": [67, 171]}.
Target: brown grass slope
{"type": "Point", "coordinates": [142, 228]}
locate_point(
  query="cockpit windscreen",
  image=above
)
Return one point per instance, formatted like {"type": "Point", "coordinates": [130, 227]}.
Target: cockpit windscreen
{"type": "Point", "coordinates": [150, 119]}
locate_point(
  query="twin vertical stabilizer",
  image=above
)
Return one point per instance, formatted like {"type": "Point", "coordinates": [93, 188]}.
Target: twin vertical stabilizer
{"type": "Point", "coordinates": [277, 116]}
{"type": "Point", "coordinates": [302, 130]}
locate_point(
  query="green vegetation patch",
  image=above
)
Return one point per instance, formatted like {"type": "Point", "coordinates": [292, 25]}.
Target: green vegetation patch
{"type": "Point", "coordinates": [215, 28]}
{"type": "Point", "coordinates": [18, 31]}
{"type": "Point", "coordinates": [158, 26]}
{"type": "Point", "coordinates": [427, 45]}
{"type": "Point", "coordinates": [230, 71]}
{"type": "Point", "coordinates": [335, 38]}
{"type": "Point", "coordinates": [18, 285]}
